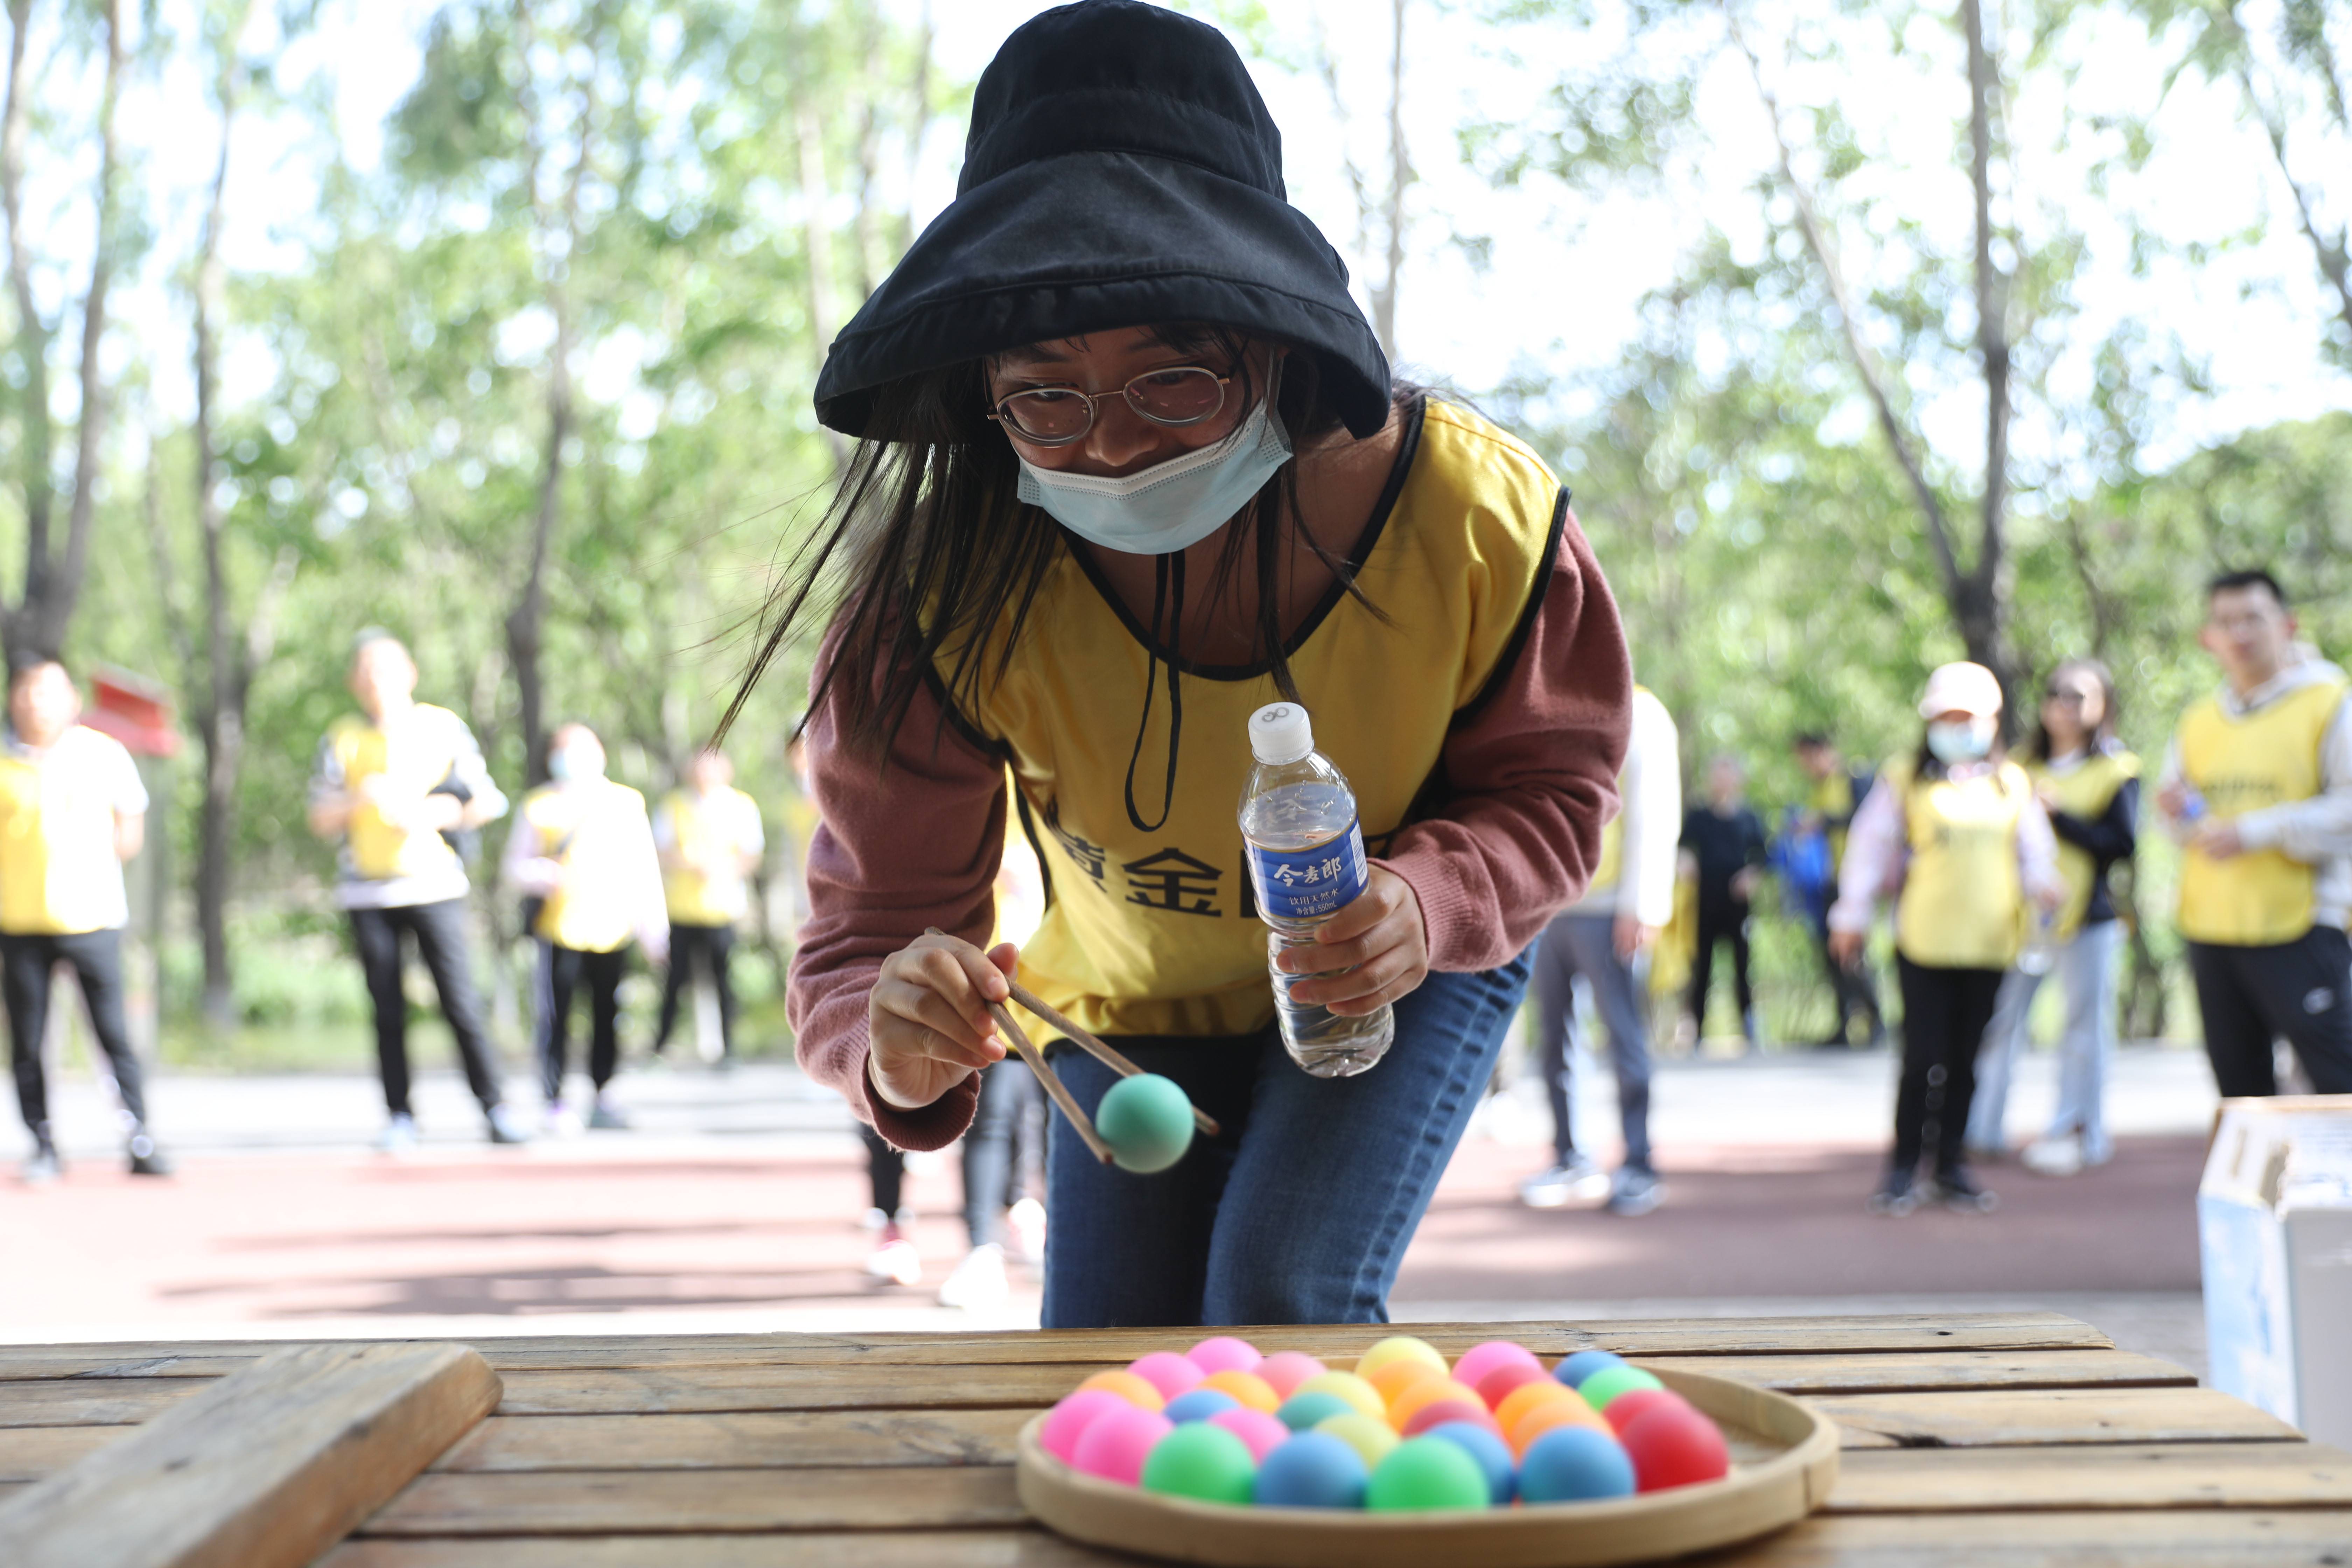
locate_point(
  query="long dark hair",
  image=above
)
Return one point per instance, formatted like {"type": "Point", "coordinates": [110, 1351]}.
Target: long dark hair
{"type": "Point", "coordinates": [929, 563]}
{"type": "Point", "coordinates": [2102, 733]}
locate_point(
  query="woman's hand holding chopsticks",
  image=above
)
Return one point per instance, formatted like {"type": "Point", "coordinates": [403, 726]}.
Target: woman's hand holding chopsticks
{"type": "Point", "coordinates": [927, 1023]}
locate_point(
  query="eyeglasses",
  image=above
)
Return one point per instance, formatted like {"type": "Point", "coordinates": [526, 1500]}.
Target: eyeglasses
{"type": "Point", "coordinates": [1057, 415]}
{"type": "Point", "coordinates": [2060, 694]}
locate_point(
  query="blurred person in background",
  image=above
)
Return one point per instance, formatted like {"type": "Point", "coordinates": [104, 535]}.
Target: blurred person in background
{"type": "Point", "coordinates": [1600, 937]}
{"type": "Point", "coordinates": [2090, 786]}
{"type": "Point", "coordinates": [582, 853]}
{"type": "Point", "coordinates": [1827, 811]}
{"type": "Point", "coordinates": [395, 784]}
{"type": "Point", "coordinates": [1725, 839]}
{"type": "Point", "coordinates": [710, 840]}
{"type": "Point", "coordinates": [72, 810]}
{"type": "Point", "coordinates": [2257, 787]}
{"type": "Point", "coordinates": [1956, 833]}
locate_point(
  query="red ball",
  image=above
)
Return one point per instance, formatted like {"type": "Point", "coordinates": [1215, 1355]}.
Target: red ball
{"type": "Point", "coordinates": [1497, 1384]}
{"type": "Point", "coordinates": [1672, 1448]}
{"type": "Point", "coordinates": [1438, 1412]}
{"type": "Point", "coordinates": [1633, 1402]}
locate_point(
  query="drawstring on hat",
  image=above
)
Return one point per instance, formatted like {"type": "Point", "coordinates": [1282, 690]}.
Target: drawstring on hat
{"type": "Point", "coordinates": [1166, 595]}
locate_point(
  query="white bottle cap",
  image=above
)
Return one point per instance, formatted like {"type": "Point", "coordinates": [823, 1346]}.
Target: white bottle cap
{"type": "Point", "coordinates": [1281, 732]}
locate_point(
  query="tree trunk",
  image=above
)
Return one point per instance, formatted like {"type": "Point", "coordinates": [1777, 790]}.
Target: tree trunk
{"type": "Point", "coordinates": [817, 241]}
{"type": "Point", "coordinates": [1983, 607]}
{"type": "Point", "coordinates": [1384, 298]}
{"type": "Point", "coordinates": [37, 453]}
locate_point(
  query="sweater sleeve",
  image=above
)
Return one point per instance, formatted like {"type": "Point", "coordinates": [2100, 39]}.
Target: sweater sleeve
{"type": "Point", "coordinates": [911, 845]}
{"type": "Point", "coordinates": [1530, 773]}
{"type": "Point", "coordinates": [2112, 835]}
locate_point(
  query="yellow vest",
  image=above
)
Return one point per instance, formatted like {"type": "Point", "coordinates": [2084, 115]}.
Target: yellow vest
{"type": "Point", "coordinates": [599, 832]}
{"type": "Point", "coordinates": [427, 752]}
{"type": "Point", "coordinates": [2086, 793]}
{"type": "Point", "coordinates": [2269, 757]}
{"type": "Point", "coordinates": [1963, 904]}
{"type": "Point", "coordinates": [697, 827]}
{"type": "Point", "coordinates": [1157, 934]}
{"type": "Point", "coordinates": [58, 873]}
{"type": "Point", "coordinates": [1834, 798]}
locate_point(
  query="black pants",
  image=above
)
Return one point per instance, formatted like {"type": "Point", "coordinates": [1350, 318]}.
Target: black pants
{"type": "Point", "coordinates": [562, 972]}
{"type": "Point", "coordinates": [2249, 996]}
{"type": "Point", "coordinates": [1853, 988]}
{"type": "Point", "coordinates": [993, 1147]}
{"type": "Point", "coordinates": [25, 964]}
{"type": "Point", "coordinates": [709, 946]}
{"type": "Point", "coordinates": [1725, 921]}
{"type": "Point", "coordinates": [1944, 1012]}
{"type": "Point", "coordinates": [440, 932]}
{"type": "Point", "coordinates": [886, 1172]}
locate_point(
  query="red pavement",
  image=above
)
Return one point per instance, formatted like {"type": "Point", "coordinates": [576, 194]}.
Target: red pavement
{"type": "Point", "coordinates": [285, 1239]}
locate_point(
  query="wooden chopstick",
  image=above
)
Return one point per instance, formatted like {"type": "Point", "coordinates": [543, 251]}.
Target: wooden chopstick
{"type": "Point", "coordinates": [1096, 1049]}
{"type": "Point", "coordinates": [1053, 1086]}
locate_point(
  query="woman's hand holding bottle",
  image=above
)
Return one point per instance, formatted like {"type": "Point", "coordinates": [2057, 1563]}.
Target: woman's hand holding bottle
{"type": "Point", "coordinates": [1378, 938]}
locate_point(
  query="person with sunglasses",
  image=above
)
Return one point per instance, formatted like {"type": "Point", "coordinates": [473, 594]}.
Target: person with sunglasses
{"type": "Point", "coordinates": [1131, 464]}
{"type": "Point", "coordinates": [2089, 785]}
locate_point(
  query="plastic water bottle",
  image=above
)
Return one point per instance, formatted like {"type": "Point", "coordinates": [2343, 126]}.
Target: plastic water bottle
{"type": "Point", "coordinates": [1307, 861]}
{"type": "Point", "coordinates": [2041, 950]}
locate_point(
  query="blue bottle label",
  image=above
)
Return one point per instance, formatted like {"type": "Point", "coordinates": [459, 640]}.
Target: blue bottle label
{"type": "Point", "coordinates": [1308, 884]}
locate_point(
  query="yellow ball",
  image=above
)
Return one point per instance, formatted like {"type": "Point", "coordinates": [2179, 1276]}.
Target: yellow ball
{"type": "Point", "coordinates": [1429, 1391]}
{"type": "Point", "coordinates": [1369, 1437]}
{"type": "Point", "coordinates": [1350, 1387]}
{"type": "Point", "coordinates": [1130, 1387]}
{"type": "Point", "coordinates": [1526, 1397]}
{"type": "Point", "coordinates": [1400, 1347]}
{"type": "Point", "coordinates": [1252, 1390]}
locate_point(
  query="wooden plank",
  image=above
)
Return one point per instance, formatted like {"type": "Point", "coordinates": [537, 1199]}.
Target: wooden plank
{"type": "Point", "coordinates": [29, 1453]}
{"type": "Point", "coordinates": [98, 1402]}
{"type": "Point", "coordinates": [264, 1470]}
{"type": "Point", "coordinates": [2003, 1418]}
{"type": "Point", "coordinates": [597, 1502]}
{"type": "Point", "coordinates": [1883, 1374]}
{"type": "Point", "coordinates": [599, 1392]}
{"type": "Point", "coordinates": [2137, 1476]}
{"type": "Point", "coordinates": [22, 1362]}
{"type": "Point", "coordinates": [1030, 1546]}
{"type": "Point", "coordinates": [748, 1440]}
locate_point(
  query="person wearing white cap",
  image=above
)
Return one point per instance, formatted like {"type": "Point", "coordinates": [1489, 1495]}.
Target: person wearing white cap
{"type": "Point", "coordinates": [1956, 834]}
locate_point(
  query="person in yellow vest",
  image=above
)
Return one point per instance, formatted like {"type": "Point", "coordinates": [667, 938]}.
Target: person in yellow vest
{"type": "Point", "coordinates": [1955, 832]}
{"type": "Point", "coordinates": [710, 840]}
{"type": "Point", "coordinates": [1132, 465]}
{"type": "Point", "coordinates": [2257, 785]}
{"type": "Point", "coordinates": [2090, 786]}
{"type": "Point", "coordinates": [1600, 937]}
{"type": "Point", "coordinates": [582, 853]}
{"type": "Point", "coordinates": [1833, 794]}
{"type": "Point", "coordinates": [72, 810]}
{"type": "Point", "coordinates": [394, 785]}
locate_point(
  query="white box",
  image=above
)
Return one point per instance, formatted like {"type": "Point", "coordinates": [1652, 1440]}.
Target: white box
{"type": "Point", "coordinates": [2274, 1228]}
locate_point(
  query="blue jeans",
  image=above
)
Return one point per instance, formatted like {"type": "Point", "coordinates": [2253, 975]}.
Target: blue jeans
{"type": "Point", "coordinates": [2085, 970]}
{"type": "Point", "coordinates": [1300, 1212]}
{"type": "Point", "coordinates": [1576, 944]}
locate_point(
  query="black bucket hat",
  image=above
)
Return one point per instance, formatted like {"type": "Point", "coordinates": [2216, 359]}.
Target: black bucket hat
{"type": "Point", "coordinates": [1121, 171]}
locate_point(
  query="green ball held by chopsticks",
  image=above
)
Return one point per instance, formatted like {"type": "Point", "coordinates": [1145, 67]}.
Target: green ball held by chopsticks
{"type": "Point", "coordinates": [1148, 1122]}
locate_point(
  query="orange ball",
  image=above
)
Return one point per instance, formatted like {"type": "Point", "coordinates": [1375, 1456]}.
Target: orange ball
{"type": "Point", "coordinates": [1429, 1392]}
{"type": "Point", "coordinates": [1526, 1397]}
{"type": "Point", "coordinates": [1253, 1390]}
{"type": "Point", "coordinates": [1554, 1413]}
{"type": "Point", "coordinates": [1398, 1375]}
{"type": "Point", "coordinates": [1135, 1390]}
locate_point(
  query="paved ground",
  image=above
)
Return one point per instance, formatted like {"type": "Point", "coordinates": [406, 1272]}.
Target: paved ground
{"type": "Point", "coordinates": [736, 1205]}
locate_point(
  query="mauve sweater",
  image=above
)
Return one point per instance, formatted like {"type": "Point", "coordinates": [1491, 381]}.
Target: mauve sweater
{"type": "Point", "coordinates": [1531, 777]}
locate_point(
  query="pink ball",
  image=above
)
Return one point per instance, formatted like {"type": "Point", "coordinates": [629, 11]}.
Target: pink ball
{"type": "Point", "coordinates": [1223, 1353]}
{"type": "Point", "coordinates": [1115, 1443]}
{"type": "Point", "coordinates": [1262, 1432]}
{"type": "Point", "coordinates": [1067, 1421]}
{"type": "Point", "coordinates": [1438, 1412]}
{"type": "Point", "coordinates": [1284, 1370]}
{"type": "Point", "coordinates": [1166, 1371]}
{"type": "Point", "coordinates": [1480, 1360]}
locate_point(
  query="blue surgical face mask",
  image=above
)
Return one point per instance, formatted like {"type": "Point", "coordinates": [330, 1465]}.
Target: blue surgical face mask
{"type": "Point", "coordinates": [1171, 506]}
{"type": "Point", "coordinates": [1954, 743]}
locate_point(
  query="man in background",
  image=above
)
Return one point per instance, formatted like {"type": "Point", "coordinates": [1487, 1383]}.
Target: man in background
{"type": "Point", "coordinates": [72, 810]}
{"type": "Point", "coordinates": [1726, 839]}
{"type": "Point", "coordinates": [394, 784]}
{"type": "Point", "coordinates": [1836, 793]}
{"type": "Point", "coordinates": [710, 840]}
{"type": "Point", "coordinates": [2257, 788]}
{"type": "Point", "coordinates": [583, 855]}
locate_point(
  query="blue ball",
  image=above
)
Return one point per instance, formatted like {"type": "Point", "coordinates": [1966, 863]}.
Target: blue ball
{"type": "Point", "coordinates": [1199, 1404]}
{"type": "Point", "coordinates": [1494, 1456]}
{"type": "Point", "coordinates": [1574, 1464]}
{"type": "Point", "coordinates": [1313, 1469]}
{"type": "Point", "coordinates": [1583, 1364]}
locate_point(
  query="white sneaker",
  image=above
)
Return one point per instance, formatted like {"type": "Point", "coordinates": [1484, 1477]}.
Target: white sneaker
{"type": "Point", "coordinates": [978, 1283]}
{"type": "Point", "coordinates": [399, 1134]}
{"type": "Point", "coordinates": [560, 1120]}
{"type": "Point", "coordinates": [896, 1260]}
{"type": "Point", "coordinates": [1028, 1224]}
{"type": "Point", "coordinates": [1579, 1180]}
{"type": "Point", "coordinates": [2054, 1156]}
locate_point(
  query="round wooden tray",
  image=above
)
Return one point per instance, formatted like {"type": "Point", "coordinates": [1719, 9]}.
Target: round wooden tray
{"type": "Point", "coordinates": [1784, 1461]}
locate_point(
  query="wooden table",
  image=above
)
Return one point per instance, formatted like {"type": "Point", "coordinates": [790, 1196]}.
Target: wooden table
{"type": "Point", "coordinates": [1996, 1438]}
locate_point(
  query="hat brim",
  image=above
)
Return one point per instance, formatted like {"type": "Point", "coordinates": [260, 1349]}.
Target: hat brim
{"type": "Point", "coordinates": [1095, 241]}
